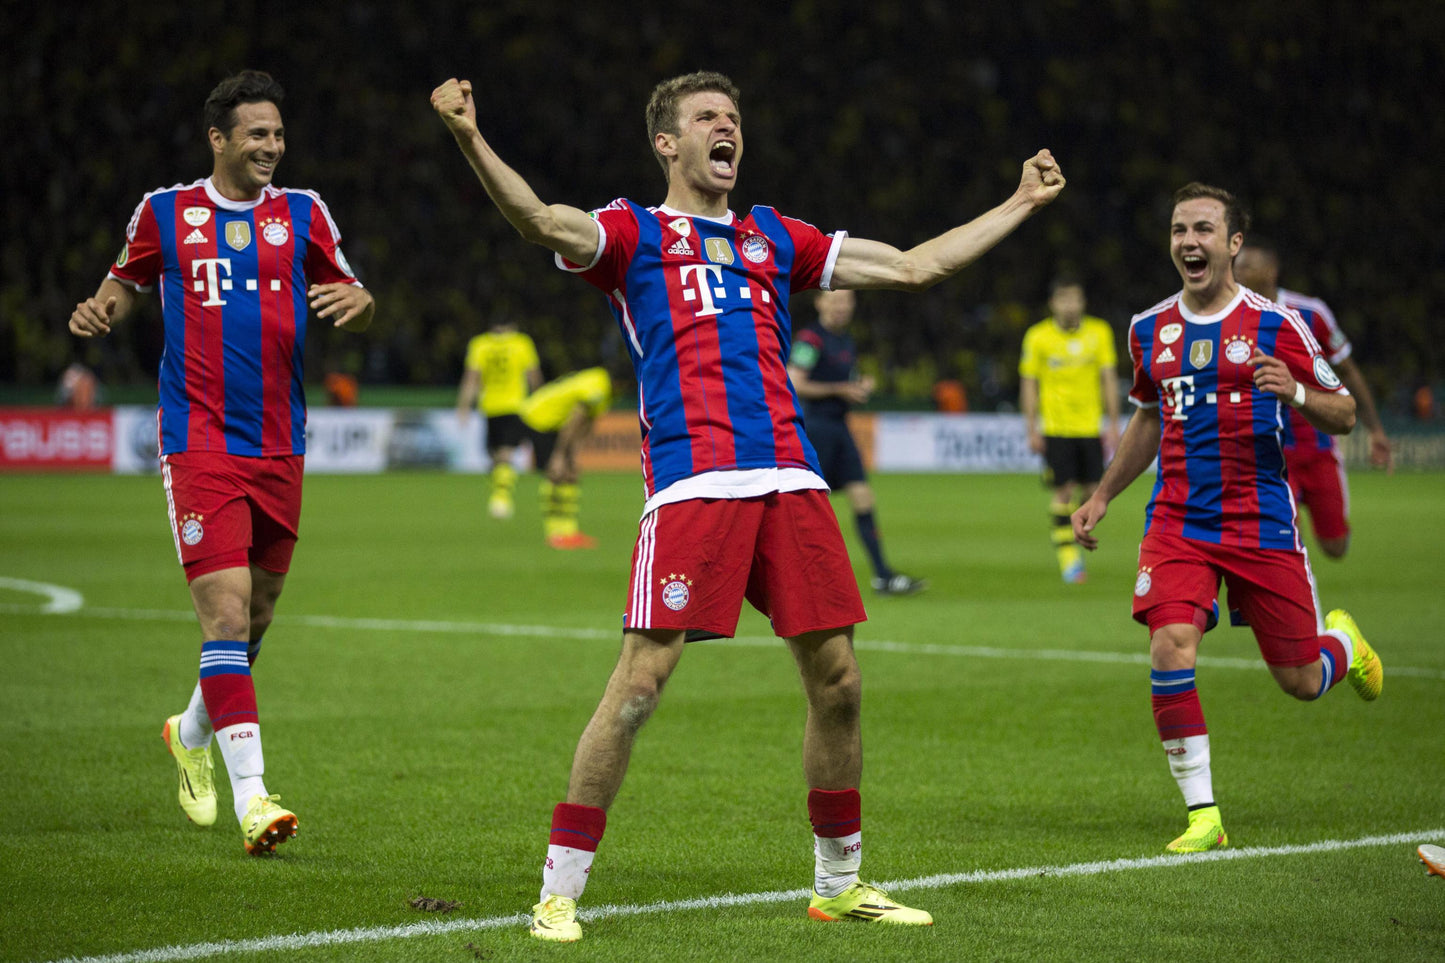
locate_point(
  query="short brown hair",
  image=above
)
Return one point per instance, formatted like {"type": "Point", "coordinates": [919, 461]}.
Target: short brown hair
{"type": "Point", "coordinates": [246, 87]}
{"type": "Point", "coordinates": [1236, 218]}
{"type": "Point", "coordinates": [662, 105]}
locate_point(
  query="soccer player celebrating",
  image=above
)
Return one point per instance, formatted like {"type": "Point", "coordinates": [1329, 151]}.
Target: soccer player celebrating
{"type": "Point", "coordinates": [1316, 464]}
{"type": "Point", "coordinates": [1066, 372]}
{"type": "Point", "coordinates": [501, 367]}
{"type": "Point", "coordinates": [238, 261]}
{"type": "Point", "coordinates": [1219, 362]}
{"type": "Point", "coordinates": [559, 416]}
{"type": "Point", "coordinates": [735, 505]}
{"type": "Point", "coordinates": [822, 371]}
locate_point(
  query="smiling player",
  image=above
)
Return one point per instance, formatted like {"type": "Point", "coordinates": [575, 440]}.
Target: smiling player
{"type": "Point", "coordinates": [237, 261]}
{"type": "Point", "coordinates": [1220, 363]}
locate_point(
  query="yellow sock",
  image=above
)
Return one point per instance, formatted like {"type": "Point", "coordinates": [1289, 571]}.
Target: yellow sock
{"type": "Point", "coordinates": [567, 499]}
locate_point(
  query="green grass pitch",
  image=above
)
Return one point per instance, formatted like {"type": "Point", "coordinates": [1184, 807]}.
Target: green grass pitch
{"type": "Point", "coordinates": [430, 669]}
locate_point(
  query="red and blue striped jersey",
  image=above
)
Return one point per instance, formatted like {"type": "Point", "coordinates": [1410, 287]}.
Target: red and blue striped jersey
{"type": "Point", "coordinates": [703, 307]}
{"type": "Point", "coordinates": [1221, 475]}
{"type": "Point", "coordinates": [233, 277]}
{"type": "Point", "coordinates": [1299, 434]}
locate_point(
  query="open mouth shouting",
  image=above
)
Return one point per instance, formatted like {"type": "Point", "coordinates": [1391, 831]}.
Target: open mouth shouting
{"type": "Point", "coordinates": [1195, 266]}
{"type": "Point", "coordinates": [721, 156]}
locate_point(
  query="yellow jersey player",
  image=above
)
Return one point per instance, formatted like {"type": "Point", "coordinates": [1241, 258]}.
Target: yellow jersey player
{"type": "Point", "coordinates": [501, 368]}
{"type": "Point", "coordinates": [558, 416]}
{"type": "Point", "coordinates": [1067, 380]}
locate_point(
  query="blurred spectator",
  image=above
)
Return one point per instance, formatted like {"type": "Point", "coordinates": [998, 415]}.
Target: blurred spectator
{"type": "Point", "coordinates": [341, 389]}
{"type": "Point", "coordinates": [78, 388]}
{"type": "Point", "coordinates": [949, 396]}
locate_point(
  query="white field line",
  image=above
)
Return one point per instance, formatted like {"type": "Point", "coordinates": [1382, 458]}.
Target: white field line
{"type": "Point", "coordinates": [375, 934]}
{"type": "Point", "coordinates": [563, 632]}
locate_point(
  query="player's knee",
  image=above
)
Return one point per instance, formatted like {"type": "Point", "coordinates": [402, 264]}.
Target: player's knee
{"type": "Point", "coordinates": [637, 708]}
{"type": "Point", "coordinates": [1297, 685]}
{"type": "Point", "coordinates": [1173, 646]}
{"type": "Point", "coordinates": [840, 694]}
{"type": "Point", "coordinates": [227, 622]}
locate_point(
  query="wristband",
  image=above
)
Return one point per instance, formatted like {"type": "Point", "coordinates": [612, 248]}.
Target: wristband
{"type": "Point", "coordinates": [1299, 396]}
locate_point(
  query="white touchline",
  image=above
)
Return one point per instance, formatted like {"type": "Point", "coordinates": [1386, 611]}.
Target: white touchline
{"type": "Point", "coordinates": [375, 934]}
{"type": "Point", "coordinates": [564, 632]}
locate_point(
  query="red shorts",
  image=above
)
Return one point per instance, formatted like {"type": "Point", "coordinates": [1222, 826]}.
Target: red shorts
{"type": "Point", "coordinates": [229, 511]}
{"type": "Point", "coordinates": [1179, 579]}
{"type": "Point", "coordinates": [696, 561]}
{"type": "Point", "coordinates": [1317, 479]}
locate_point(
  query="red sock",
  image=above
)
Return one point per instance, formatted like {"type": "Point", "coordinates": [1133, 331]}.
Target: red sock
{"type": "Point", "coordinates": [578, 827]}
{"type": "Point", "coordinates": [835, 812]}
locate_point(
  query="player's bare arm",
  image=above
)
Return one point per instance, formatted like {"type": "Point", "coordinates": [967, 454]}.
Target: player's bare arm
{"type": "Point", "coordinates": [1354, 380]}
{"type": "Point", "coordinates": [1332, 413]}
{"type": "Point", "coordinates": [568, 231]}
{"type": "Point", "coordinates": [467, 392]}
{"type": "Point", "coordinates": [1137, 450]}
{"type": "Point", "coordinates": [864, 264]}
{"type": "Point", "coordinates": [855, 392]}
{"type": "Point", "coordinates": [1029, 406]}
{"type": "Point", "coordinates": [345, 305]}
{"type": "Point", "coordinates": [112, 302]}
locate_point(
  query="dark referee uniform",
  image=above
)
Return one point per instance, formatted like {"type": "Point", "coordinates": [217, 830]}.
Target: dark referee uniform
{"type": "Point", "coordinates": [829, 358]}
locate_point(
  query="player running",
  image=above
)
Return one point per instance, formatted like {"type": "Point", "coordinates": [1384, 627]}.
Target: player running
{"type": "Point", "coordinates": [1220, 362]}
{"type": "Point", "coordinates": [501, 367]}
{"type": "Point", "coordinates": [237, 260]}
{"type": "Point", "coordinates": [735, 503]}
{"type": "Point", "coordinates": [1316, 464]}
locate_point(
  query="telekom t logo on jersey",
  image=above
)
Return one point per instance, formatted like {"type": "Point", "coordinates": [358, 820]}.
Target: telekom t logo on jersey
{"type": "Point", "coordinates": [212, 284]}
{"type": "Point", "coordinates": [697, 282]}
{"type": "Point", "coordinates": [1178, 398]}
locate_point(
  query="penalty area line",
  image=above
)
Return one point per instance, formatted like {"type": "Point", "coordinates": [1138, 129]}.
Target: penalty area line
{"type": "Point", "coordinates": [375, 934]}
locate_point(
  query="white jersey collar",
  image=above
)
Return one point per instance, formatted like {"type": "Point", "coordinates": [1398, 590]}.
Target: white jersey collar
{"type": "Point", "coordinates": [1218, 316]}
{"type": "Point", "coordinates": [226, 204]}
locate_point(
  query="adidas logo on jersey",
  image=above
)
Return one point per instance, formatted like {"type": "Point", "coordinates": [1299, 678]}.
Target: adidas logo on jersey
{"type": "Point", "coordinates": [195, 237]}
{"type": "Point", "coordinates": [1164, 356]}
{"type": "Point", "coordinates": [680, 246]}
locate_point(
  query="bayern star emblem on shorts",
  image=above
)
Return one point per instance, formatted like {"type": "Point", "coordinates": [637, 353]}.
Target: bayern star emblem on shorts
{"type": "Point", "coordinates": [191, 530]}
{"type": "Point", "coordinates": [675, 594]}
{"type": "Point", "coordinates": [1143, 584]}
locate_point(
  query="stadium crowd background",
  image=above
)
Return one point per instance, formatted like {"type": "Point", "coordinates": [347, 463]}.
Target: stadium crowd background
{"type": "Point", "coordinates": [890, 120]}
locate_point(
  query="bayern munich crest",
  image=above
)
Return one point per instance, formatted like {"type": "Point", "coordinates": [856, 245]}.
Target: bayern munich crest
{"type": "Point", "coordinates": [1238, 349]}
{"type": "Point", "coordinates": [191, 530]}
{"type": "Point", "coordinates": [676, 592]}
{"type": "Point", "coordinates": [755, 248]}
{"type": "Point", "coordinates": [1144, 582]}
{"type": "Point", "coordinates": [275, 232]}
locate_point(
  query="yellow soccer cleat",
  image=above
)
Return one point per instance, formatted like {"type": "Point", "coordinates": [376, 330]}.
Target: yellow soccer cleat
{"type": "Point", "coordinates": [197, 773]}
{"type": "Point", "coordinates": [1367, 672]}
{"type": "Point", "coordinates": [1205, 832]}
{"type": "Point", "coordinates": [266, 825]}
{"type": "Point", "coordinates": [868, 904]}
{"type": "Point", "coordinates": [555, 919]}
